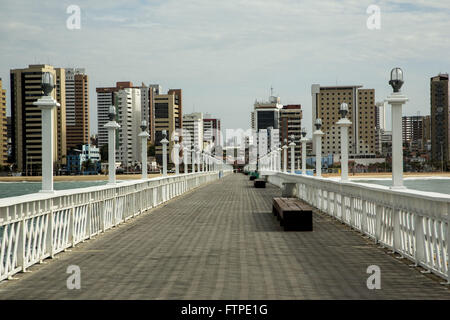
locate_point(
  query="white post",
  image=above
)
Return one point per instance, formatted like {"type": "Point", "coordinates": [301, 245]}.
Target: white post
{"type": "Point", "coordinates": [47, 104]}
{"type": "Point", "coordinates": [279, 160]}
{"type": "Point", "coordinates": [164, 143]}
{"type": "Point", "coordinates": [285, 158]}
{"type": "Point", "coordinates": [198, 160]}
{"type": "Point", "coordinates": [292, 145]}
{"type": "Point", "coordinates": [112, 126]}
{"type": "Point", "coordinates": [318, 135]}
{"type": "Point", "coordinates": [176, 159]}
{"type": "Point", "coordinates": [304, 140]}
{"type": "Point", "coordinates": [144, 136]}
{"type": "Point", "coordinates": [396, 100]}
{"type": "Point", "coordinates": [344, 123]}
{"type": "Point", "coordinates": [185, 155]}
{"type": "Point", "coordinates": [193, 160]}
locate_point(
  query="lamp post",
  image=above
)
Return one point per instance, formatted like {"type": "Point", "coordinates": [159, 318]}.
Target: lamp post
{"type": "Point", "coordinates": [278, 159]}
{"type": "Point", "coordinates": [285, 147]}
{"type": "Point", "coordinates": [396, 100]}
{"type": "Point", "coordinates": [185, 156]}
{"type": "Point", "coordinates": [197, 159]}
{"type": "Point", "coordinates": [193, 159]}
{"type": "Point", "coordinates": [344, 123]}
{"type": "Point", "coordinates": [292, 145]}
{"type": "Point", "coordinates": [112, 126]}
{"type": "Point", "coordinates": [47, 105]}
{"type": "Point", "coordinates": [164, 143]}
{"type": "Point", "coordinates": [304, 141]}
{"type": "Point", "coordinates": [176, 152]}
{"type": "Point", "coordinates": [144, 137]}
{"type": "Point", "coordinates": [318, 135]}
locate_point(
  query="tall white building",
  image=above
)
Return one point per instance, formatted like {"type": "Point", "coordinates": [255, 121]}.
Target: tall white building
{"type": "Point", "coordinates": [193, 124]}
{"type": "Point", "coordinates": [211, 130]}
{"type": "Point", "coordinates": [129, 117]}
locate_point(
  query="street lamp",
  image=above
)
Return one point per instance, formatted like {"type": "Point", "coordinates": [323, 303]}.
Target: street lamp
{"type": "Point", "coordinates": [185, 155]}
{"type": "Point", "coordinates": [47, 105]}
{"type": "Point", "coordinates": [176, 154]}
{"type": "Point", "coordinates": [292, 145]}
{"type": "Point", "coordinates": [112, 126]}
{"type": "Point", "coordinates": [396, 100]}
{"type": "Point", "coordinates": [144, 137]}
{"type": "Point", "coordinates": [193, 159]}
{"type": "Point", "coordinates": [344, 123]}
{"type": "Point", "coordinates": [304, 141]}
{"type": "Point", "coordinates": [164, 143]}
{"type": "Point", "coordinates": [318, 134]}
{"type": "Point", "coordinates": [285, 147]}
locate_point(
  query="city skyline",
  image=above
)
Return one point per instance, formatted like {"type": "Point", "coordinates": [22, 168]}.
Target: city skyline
{"type": "Point", "coordinates": [241, 57]}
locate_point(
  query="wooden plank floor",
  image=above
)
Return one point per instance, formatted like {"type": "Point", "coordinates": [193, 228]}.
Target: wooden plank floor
{"type": "Point", "coordinates": [221, 241]}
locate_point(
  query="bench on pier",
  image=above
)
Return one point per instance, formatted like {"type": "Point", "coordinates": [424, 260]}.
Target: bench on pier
{"type": "Point", "coordinates": [259, 183]}
{"type": "Point", "coordinates": [294, 214]}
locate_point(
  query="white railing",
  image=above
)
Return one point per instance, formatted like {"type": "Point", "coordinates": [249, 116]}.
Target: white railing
{"type": "Point", "coordinates": [412, 223]}
{"type": "Point", "coordinates": [37, 226]}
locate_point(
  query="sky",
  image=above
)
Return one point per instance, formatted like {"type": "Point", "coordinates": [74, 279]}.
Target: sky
{"type": "Point", "coordinates": [226, 54]}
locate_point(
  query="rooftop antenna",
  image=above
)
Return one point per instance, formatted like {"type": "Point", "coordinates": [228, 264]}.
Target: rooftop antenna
{"type": "Point", "coordinates": [271, 91]}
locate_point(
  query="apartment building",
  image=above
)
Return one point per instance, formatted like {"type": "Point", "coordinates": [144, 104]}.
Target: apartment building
{"type": "Point", "coordinates": [3, 127]}
{"type": "Point", "coordinates": [326, 102]}
{"type": "Point", "coordinates": [167, 114]}
{"type": "Point", "coordinates": [440, 119]}
{"type": "Point", "coordinates": [26, 118]}
{"type": "Point", "coordinates": [291, 124]}
{"type": "Point", "coordinates": [77, 108]}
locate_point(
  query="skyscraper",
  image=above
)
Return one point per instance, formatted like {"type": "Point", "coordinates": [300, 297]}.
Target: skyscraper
{"type": "Point", "coordinates": [193, 127]}
{"type": "Point", "coordinates": [3, 127]}
{"type": "Point", "coordinates": [266, 113]}
{"type": "Point", "coordinates": [129, 115]}
{"type": "Point", "coordinates": [291, 124]}
{"type": "Point", "coordinates": [440, 120]}
{"type": "Point", "coordinates": [77, 108]}
{"type": "Point", "coordinates": [326, 103]}
{"type": "Point", "coordinates": [211, 129]}
{"type": "Point", "coordinates": [105, 99]}
{"type": "Point", "coordinates": [167, 115]}
{"type": "Point", "coordinates": [26, 117]}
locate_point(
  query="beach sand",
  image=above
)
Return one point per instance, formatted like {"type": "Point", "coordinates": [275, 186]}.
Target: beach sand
{"type": "Point", "coordinates": [389, 175]}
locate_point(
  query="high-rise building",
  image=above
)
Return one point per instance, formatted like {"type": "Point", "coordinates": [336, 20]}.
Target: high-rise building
{"type": "Point", "coordinates": [412, 128]}
{"type": "Point", "coordinates": [193, 129]}
{"type": "Point", "coordinates": [440, 120]}
{"type": "Point", "coordinates": [266, 114]}
{"type": "Point", "coordinates": [167, 115]}
{"type": "Point", "coordinates": [291, 124]}
{"type": "Point", "coordinates": [128, 109]}
{"type": "Point", "coordinates": [211, 129]}
{"type": "Point", "coordinates": [77, 108]}
{"type": "Point", "coordinates": [3, 127]}
{"type": "Point", "coordinates": [326, 102]}
{"type": "Point", "coordinates": [26, 117]}
{"type": "Point", "coordinates": [105, 99]}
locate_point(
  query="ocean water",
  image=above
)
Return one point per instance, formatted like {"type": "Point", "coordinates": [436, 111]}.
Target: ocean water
{"type": "Point", "coordinates": [439, 185]}
{"type": "Point", "coordinates": [13, 189]}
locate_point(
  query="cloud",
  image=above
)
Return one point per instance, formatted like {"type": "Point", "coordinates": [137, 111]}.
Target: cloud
{"type": "Point", "coordinates": [224, 54]}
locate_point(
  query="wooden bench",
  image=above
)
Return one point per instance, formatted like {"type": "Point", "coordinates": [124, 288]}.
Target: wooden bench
{"type": "Point", "coordinates": [259, 183]}
{"type": "Point", "coordinates": [294, 214]}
